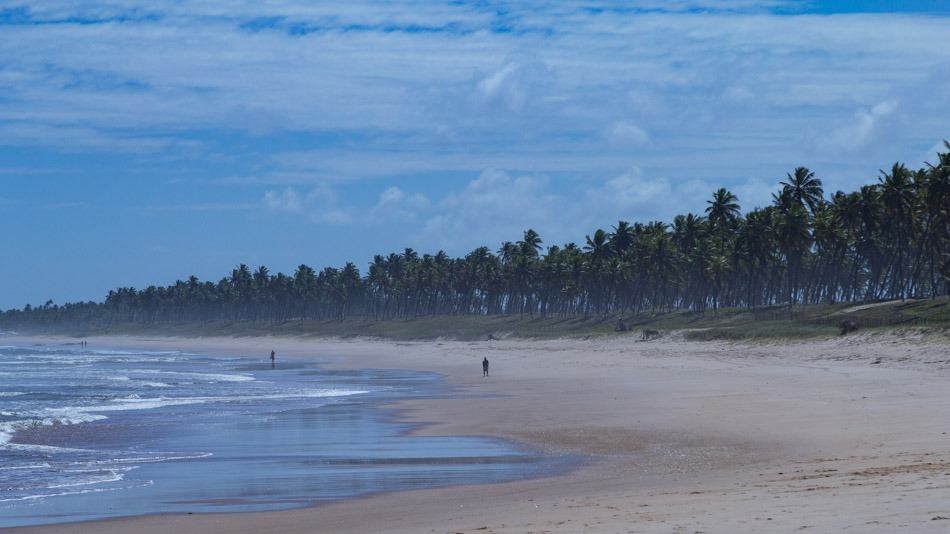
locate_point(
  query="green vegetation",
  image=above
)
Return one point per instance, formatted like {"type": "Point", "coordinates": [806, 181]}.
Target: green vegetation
{"type": "Point", "coordinates": [927, 316]}
{"type": "Point", "coordinates": [803, 322]}
{"type": "Point", "coordinates": [888, 240]}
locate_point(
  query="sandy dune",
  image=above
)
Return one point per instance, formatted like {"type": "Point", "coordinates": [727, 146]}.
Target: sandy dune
{"type": "Point", "coordinates": [849, 434]}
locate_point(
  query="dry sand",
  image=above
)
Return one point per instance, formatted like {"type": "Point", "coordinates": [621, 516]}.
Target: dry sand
{"type": "Point", "coordinates": [850, 434]}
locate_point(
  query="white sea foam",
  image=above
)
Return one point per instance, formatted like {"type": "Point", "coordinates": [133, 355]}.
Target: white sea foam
{"type": "Point", "coordinates": [76, 386]}
{"type": "Point", "coordinates": [106, 352]}
{"type": "Point", "coordinates": [159, 402]}
{"type": "Point", "coordinates": [108, 476]}
{"type": "Point", "coordinates": [46, 449]}
{"type": "Point", "coordinates": [122, 405]}
{"type": "Point", "coordinates": [204, 377]}
{"type": "Point", "coordinates": [43, 465]}
{"type": "Point", "coordinates": [67, 417]}
{"type": "Point", "coordinates": [156, 385]}
{"type": "Point", "coordinates": [80, 492]}
{"type": "Point", "coordinates": [148, 459]}
{"type": "Point", "coordinates": [82, 414]}
{"type": "Point", "coordinates": [71, 415]}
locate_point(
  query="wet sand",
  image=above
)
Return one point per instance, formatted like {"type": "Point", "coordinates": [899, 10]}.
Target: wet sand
{"type": "Point", "coordinates": [820, 436]}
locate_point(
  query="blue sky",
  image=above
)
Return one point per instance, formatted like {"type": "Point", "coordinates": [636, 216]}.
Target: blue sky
{"type": "Point", "coordinates": [140, 145]}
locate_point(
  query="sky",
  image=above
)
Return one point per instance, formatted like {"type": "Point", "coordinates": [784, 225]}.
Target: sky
{"type": "Point", "coordinates": [141, 143]}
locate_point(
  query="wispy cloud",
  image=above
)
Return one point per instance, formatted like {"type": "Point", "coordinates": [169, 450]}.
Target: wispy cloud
{"type": "Point", "coordinates": [287, 200]}
{"type": "Point", "coordinates": [562, 99]}
{"type": "Point", "coordinates": [203, 207]}
{"type": "Point", "coordinates": [860, 130]}
{"type": "Point", "coordinates": [529, 82]}
{"type": "Point", "coordinates": [321, 204]}
{"type": "Point", "coordinates": [431, 123]}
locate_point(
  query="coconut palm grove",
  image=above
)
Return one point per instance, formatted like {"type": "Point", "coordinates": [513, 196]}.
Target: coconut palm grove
{"type": "Point", "coordinates": [888, 240]}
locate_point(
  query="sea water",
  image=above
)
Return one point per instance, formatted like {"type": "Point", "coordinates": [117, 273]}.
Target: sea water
{"type": "Point", "coordinates": [89, 433]}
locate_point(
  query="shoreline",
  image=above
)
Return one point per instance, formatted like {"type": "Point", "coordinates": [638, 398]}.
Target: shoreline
{"type": "Point", "coordinates": [679, 434]}
{"type": "Point", "coordinates": [299, 450]}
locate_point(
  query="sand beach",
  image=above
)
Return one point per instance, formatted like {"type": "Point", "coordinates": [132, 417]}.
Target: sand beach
{"type": "Point", "coordinates": [823, 436]}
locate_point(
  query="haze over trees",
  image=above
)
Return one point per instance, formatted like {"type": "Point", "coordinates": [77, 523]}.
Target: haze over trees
{"type": "Point", "coordinates": [890, 239]}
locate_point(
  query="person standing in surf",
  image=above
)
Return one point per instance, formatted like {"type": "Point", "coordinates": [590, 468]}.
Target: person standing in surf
{"type": "Point", "coordinates": [273, 359]}
{"type": "Point", "coordinates": [485, 366]}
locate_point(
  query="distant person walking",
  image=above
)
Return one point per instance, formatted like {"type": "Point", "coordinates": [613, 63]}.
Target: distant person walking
{"type": "Point", "coordinates": [273, 359]}
{"type": "Point", "coordinates": [485, 366]}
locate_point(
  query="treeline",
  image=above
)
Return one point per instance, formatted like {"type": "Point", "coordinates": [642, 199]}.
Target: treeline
{"type": "Point", "coordinates": [887, 240]}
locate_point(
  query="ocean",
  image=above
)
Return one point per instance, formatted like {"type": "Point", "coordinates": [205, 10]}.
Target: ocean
{"type": "Point", "coordinates": [89, 433]}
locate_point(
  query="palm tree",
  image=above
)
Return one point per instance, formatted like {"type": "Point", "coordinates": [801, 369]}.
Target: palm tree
{"type": "Point", "coordinates": [598, 246]}
{"type": "Point", "coordinates": [598, 249]}
{"type": "Point", "coordinates": [717, 268]}
{"type": "Point", "coordinates": [887, 239]}
{"type": "Point", "coordinates": [804, 188]}
{"type": "Point", "coordinates": [897, 195]}
{"type": "Point", "coordinates": [791, 231]}
{"type": "Point", "coordinates": [530, 245]}
{"type": "Point", "coordinates": [621, 238]}
{"type": "Point", "coordinates": [722, 210]}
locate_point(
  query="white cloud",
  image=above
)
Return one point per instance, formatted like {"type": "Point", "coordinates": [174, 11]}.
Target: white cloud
{"type": "Point", "coordinates": [335, 216]}
{"type": "Point", "coordinates": [632, 190]}
{"type": "Point", "coordinates": [717, 91]}
{"type": "Point", "coordinates": [622, 133]}
{"type": "Point", "coordinates": [394, 203]}
{"type": "Point", "coordinates": [930, 156]}
{"type": "Point", "coordinates": [632, 196]}
{"type": "Point", "coordinates": [861, 129]}
{"type": "Point", "coordinates": [394, 196]}
{"type": "Point", "coordinates": [491, 208]}
{"type": "Point", "coordinates": [287, 200]}
{"type": "Point", "coordinates": [753, 193]}
{"type": "Point", "coordinates": [517, 85]}
{"type": "Point", "coordinates": [321, 204]}
{"type": "Point", "coordinates": [322, 194]}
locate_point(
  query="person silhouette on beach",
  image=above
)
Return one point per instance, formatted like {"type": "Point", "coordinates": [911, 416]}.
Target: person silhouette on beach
{"type": "Point", "coordinates": [273, 359]}
{"type": "Point", "coordinates": [485, 366]}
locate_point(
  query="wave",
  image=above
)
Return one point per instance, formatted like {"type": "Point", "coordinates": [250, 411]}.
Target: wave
{"type": "Point", "coordinates": [75, 348]}
{"type": "Point", "coordinates": [69, 417]}
{"type": "Point", "coordinates": [204, 377]}
{"type": "Point", "coordinates": [106, 476]}
{"type": "Point", "coordinates": [94, 473]}
{"type": "Point", "coordinates": [149, 459]}
{"type": "Point", "coordinates": [132, 403]}
{"type": "Point", "coordinates": [80, 492]}
{"type": "Point", "coordinates": [107, 352]}
{"type": "Point", "coordinates": [46, 449]}
{"type": "Point", "coordinates": [43, 465]}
